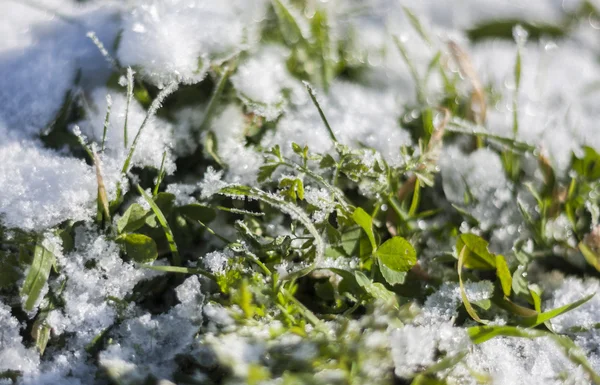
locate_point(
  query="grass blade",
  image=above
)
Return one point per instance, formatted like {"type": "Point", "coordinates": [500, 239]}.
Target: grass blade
{"type": "Point", "coordinates": [43, 260]}
{"type": "Point", "coordinates": [161, 174]}
{"type": "Point", "coordinates": [212, 103]}
{"type": "Point", "coordinates": [156, 104]}
{"type": "Point", "coordinates": [463, 293]}
{"type": "Point", "coordinates": [165, 225]}
{"type": "Point", "coordinates": [416, 23]}
{"type": "Point", "coordinates": [313, 97]}
{"type": "Point", "coordinates": [102, 197]}
{"type": "Point", "coordinates": [106, 121]}
{"type": "Point", "coordinates": [129, 97]}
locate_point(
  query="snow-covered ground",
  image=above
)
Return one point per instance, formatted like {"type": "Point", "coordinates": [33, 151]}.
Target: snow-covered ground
{"type": "Point", "coordinates": [203, 90]}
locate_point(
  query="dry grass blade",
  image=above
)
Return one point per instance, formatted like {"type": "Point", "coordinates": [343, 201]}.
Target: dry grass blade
{"type": "Point", "coordinates": [465, 65]}
{"type": "Point", "coordinates": [102, 197]}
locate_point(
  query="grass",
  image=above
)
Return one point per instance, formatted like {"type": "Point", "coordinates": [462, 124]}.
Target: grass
{"type": "Point", "coordinates": [326, 272]}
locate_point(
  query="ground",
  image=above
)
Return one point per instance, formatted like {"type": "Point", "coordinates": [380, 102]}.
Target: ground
{"type": "Point", "coordinates": [299, 191]}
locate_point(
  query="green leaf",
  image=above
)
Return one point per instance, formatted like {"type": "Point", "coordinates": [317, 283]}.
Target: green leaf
{"type": "Point", "coordinates": [139, 247]}
{"type": "Point", "coordinates": [327, 162]}
{"type": "Point", "coordinates": [300, 189]}
{"type": "Point", "coordinates": [198, 212]}
{"type": "Point", "coordinates": [376, 290]}
{"type": "Point", "coordinates": [133, 219]}
{"type": "Point", "coordinates": [476, 255]}
{"type": "Point", "coordinates": [365, 221]}
{"type": "Point", "coordinates": [297, 148]}
{"type": "Point", "coordinates": [392, 277]}
{"type": "Point", "coordinates": [350, 240]}
{"type": "Point", "coordinates": [397, 254]}
{"type": "Point", "coordinates": [503, 274]}
{"type": "Point", "coordinates": [43, 260]}
{"type": "Point", "coordinates": [519, 282]}
{"type": "Point", "coordinates": [163, 222]}
{"type": "Point", "coordinates": [589, 165]}
{"type": "Point", "coordinates": [536, 292]}
{"type": "Point", "coordinates": [290, 27]}
{"type": "Point", "coordinates": [265, 172]}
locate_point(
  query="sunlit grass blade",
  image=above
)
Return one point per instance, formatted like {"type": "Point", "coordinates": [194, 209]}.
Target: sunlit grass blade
{"type": "Point", "coordinates": [417, 25]}
{"type": "Point", "coordinates": [43, 260]}
{"type": "Point", "coordinates": [313, 97]}
{"type": "Point", "coordinates": [161, 174]}
{"type": "Point", "coordinates": [156, 104]}
{"type": "Point", "coordinates": [103, 50]}
{"type": "Point", "coordinates": [179, 269]}
{"type": "Point", "coordinates": [463, 293]}
{"type": "Point", "coordinates": [129, 97]}
{"type": "Point", "coordinates": [106, 121]}
{"type": "Point", "coordinates": [102, 197]}
{"type": "Point", "coordinates": [460, 126]}
{"type": "Point", "coordinates": [288, 22]}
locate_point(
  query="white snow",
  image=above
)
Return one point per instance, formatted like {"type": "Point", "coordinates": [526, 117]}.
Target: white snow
{"type": "Point", "coordinates": [357, 115]}
{"type": "Point", "coordinates": [178, 39]}
{"type": "Point", "coordinates": [43, 188]}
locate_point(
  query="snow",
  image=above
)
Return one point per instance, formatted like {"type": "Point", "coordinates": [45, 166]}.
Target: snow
{"type": "Point", "coordinates": [13, 355]}
{"type": "Point", "coordinates": [242, 161]}
{"type": "Point", "coordinates": [166, 41]}
{"type": "Point", "coordinates": [155, 139]}
{"type": "Point", "coordinates": [216, 261]}
{"type": "Point", "coordinates": [50, 53]}
{"type": "Point", "coordinates": [572, 289]}
{"type": "Point", "coordinates": [149, 344]}
{"type": "Point", "coordinates": [42, 53]}
{"type": "Point", "coordinates": [46, 188]}
{"type": "Point", "coordinates": [87, 311]}
{"type": "Point", "coordinates": [415, 347]}
{"type": "Point", "coordinates": [357, 115]}
{"type": "Point", "coordinates": [443, 304]}
{"type": "Point", "coordinates": [263, 91]}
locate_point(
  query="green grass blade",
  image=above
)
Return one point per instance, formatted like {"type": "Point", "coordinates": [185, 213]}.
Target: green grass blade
{"type": "Point", "coordinates": [106, 121]}
{"type": "Point", "coordinates": [180, 270]}
{"type": "Point", "coordinates": [161, 174]}
{"type": "Point", "coordinates": [129, 97]}
{"type": "Point", "coordinates": [288, 23]}
{"type": "Point", "coordinates": [212, 103]}
{"type": "Point", "coordinates": [546, 316]}
{"type": "Point", "coordinates": [416, 23]}
{"type": "Point", "coordinates": [156, 104]}
{"type": "Point", "coordinates": [412, 69]}
{"type": "Point", "coordinates": [43, 260]}
{"type": "Point", "coordinates": [163, 222]}
{"type": "Point", "coordinates": [313, 97]}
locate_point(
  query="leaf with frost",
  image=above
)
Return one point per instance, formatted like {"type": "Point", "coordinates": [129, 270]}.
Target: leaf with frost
{"type": "Point", "coordinates": [139, 247]}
